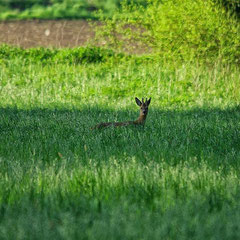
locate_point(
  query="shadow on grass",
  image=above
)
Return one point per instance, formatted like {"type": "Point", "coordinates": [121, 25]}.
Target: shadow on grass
{"type": "Point", "coordinates": [43, 135]}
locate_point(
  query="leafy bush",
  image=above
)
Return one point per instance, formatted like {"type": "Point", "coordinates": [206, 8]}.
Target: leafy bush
{"type": "Point", "coordinates": [177, 30]}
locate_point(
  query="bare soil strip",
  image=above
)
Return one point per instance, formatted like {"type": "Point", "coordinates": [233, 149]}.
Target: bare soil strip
{"type": "Point", "coordinates": [51, 33]}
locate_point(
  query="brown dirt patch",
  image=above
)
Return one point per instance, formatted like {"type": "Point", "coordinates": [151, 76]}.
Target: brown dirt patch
{"type": "Point", "coordinates": [53, 33]}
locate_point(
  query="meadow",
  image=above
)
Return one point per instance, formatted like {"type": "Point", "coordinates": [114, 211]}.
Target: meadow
{"type": "Point", "coordinates": [176, 178]}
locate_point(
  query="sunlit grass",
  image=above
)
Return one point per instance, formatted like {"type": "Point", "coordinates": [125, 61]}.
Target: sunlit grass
{"type": "Point", "coordinates": [114, 84]}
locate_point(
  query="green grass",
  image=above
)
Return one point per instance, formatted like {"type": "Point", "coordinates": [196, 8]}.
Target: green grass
{"type": "Point", "coordinates": [176, 178]}
{"type": "Point", "coordinates": [58, 9]}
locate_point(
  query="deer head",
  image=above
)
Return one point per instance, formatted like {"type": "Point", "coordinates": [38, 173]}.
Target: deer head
{"type": "Point", "coordinates": [143, 106]}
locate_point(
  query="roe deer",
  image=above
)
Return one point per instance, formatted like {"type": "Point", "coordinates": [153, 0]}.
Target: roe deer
{"type": "Point", "coordinates": [140, 121]}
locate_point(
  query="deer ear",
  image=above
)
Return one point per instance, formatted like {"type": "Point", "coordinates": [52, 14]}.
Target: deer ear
{"type": "Point", "coordinates": [139, 103]}
{"type": "Point", "coordinates": [148, 101]}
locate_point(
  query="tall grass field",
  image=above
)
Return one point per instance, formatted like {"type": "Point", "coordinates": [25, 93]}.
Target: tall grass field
{"type": "Point", "coordinates": [176, 178]}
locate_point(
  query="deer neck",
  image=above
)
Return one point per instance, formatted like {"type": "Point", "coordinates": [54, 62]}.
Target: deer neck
{"type": "Point", "coordinates": [141, 119]}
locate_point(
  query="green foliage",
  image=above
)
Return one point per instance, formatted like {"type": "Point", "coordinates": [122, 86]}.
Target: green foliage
{"type": "Point", "coordinates": [69, 56]}
{"type": "Point", "coordinates": [176, 30]}
{"type": "Point", "coordinates": [85, 55]}
{"type": "Point", "coordinates": [56, 9]}
{"type": "Point", "coordinates": [232, 6]}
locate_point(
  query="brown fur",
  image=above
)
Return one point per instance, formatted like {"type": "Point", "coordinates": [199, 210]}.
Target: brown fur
{"type": "Point", "coordinates": [140, 121]}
